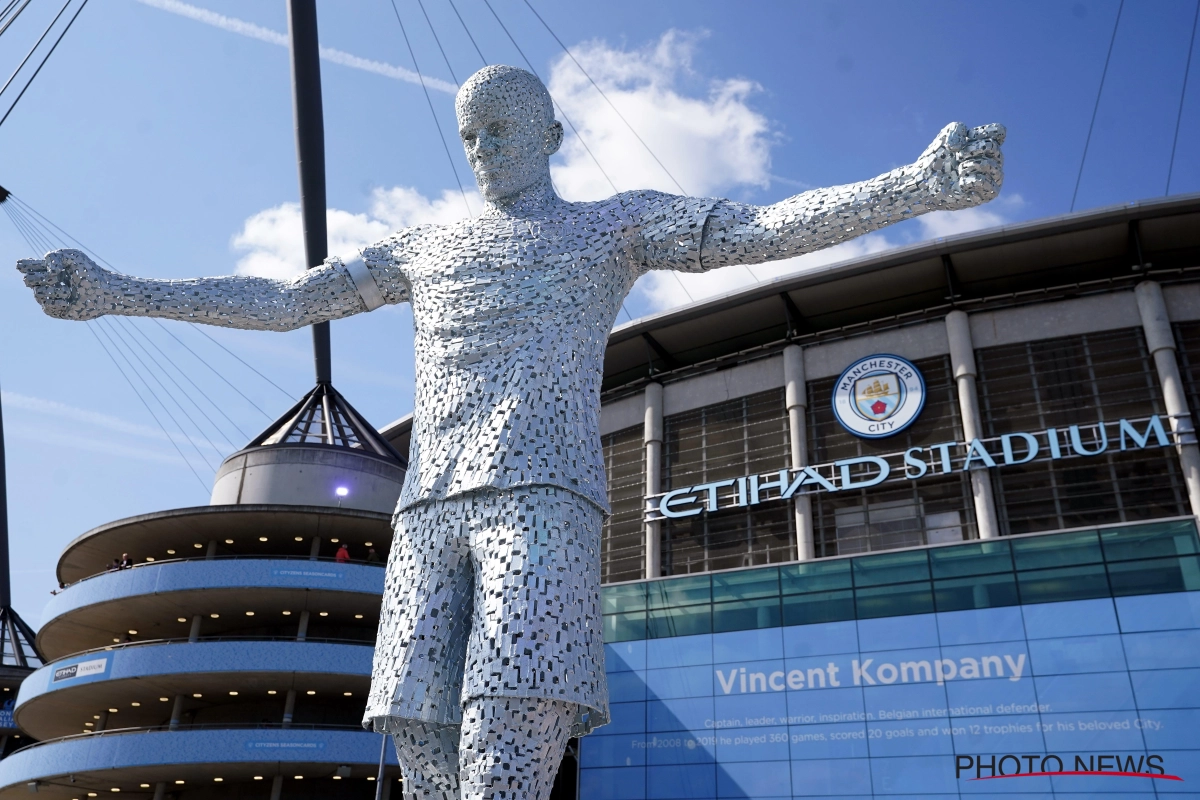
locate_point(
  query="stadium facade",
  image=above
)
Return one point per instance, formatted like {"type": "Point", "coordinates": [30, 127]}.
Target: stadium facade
{"type": "Point", "coordinates": [921, 524]}
{"type": "Point", "coordinates": [905, 525]}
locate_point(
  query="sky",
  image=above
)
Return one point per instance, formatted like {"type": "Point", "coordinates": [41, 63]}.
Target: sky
{"type": "Point", "coordinates": [160, 135]}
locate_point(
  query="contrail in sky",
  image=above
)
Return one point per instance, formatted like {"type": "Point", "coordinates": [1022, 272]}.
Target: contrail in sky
{"type": "Point", "coordinates": [252, 31]}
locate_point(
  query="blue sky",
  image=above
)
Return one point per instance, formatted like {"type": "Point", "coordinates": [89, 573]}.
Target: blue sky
{"type": "Point", "coordinates": [165, 143]}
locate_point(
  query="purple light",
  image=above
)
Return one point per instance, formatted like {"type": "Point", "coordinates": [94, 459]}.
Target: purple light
{"type": "Point", "coordinates": [342, 491]}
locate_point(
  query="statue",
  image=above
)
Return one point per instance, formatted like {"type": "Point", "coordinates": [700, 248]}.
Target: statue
{"type": "Point", "coordinates": [489, 654]}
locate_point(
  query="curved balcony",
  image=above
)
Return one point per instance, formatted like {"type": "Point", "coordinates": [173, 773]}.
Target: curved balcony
{"type": "Point", "coordinates": [220, 530]}
{"type": "Point", "coordinates": [202, 682]}
{"type": "Point", "coordinates": [313, 761]}
{"type": "Point", "coordinates": [232, 593]}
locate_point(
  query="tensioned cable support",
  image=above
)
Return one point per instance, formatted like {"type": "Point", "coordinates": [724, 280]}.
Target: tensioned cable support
{"type": "Point", "coordinates": [1187, 67]}
{"type": "Point", "coordinates": [1096, 107]}
{"type": "Point", "coordinates": [432, 30]}
{"type": "Point", "coordinates": [575, 131]}
{"type": "Point", "coordinates": [621, 116]}
{"type": "Point", "coordinates": [148, 409]}
{"type": "Point", "coordinates": [10, 20]}
{"type": "Point", "coordinates": [438, 125]}
{"type": "Point", "coordinates": [468, 31]}
{"type": "Point", "coordinates": [54, 47]}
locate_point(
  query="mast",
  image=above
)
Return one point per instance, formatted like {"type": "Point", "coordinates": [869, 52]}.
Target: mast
{"type": "Point", "coordinates": [5, 578]}
{"type": "Point", "coordinates": [310, 154]}
{"type": "Point", "coordinates": [18, 654]}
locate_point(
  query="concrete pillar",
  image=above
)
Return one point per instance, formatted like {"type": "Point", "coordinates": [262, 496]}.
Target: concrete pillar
{"type": "Point", "coordinates": [176, 713]}
{"type": "Point", "coordinates": [962, 362]}
{"type": "Point", "coordinates": [653, 438]}
{"type": "Point", "coordinates": [160, 791]}
{"type": "Point", "coordinates": [1160, 340]}
{"type": "Point", "coordinates": [101, 723]}
{"type": "Point", "coordinates": [314, 552]}
{"type": "Point", "coordinates": [289, 708]}
{"type": "Point", "coordinates": [796, 400]}
{"type": "Point", "coordinates": [194, 633]}
{"type": "Point", "coordinates": [276, 787]}
{"type": "Point", "coordinates": [302, 631]}
{"type": "Point", "coordinates": [211, 553]}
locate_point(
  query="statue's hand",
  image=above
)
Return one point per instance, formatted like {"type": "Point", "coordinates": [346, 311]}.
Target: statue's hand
{"type": "Point", "coordinates": [67, 283]}
{"type": "Point", "coordinates": [963, 167]}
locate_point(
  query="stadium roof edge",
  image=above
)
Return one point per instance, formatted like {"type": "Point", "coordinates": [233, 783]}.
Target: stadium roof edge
{"type": "Point", "coordinates": [1068, 249]}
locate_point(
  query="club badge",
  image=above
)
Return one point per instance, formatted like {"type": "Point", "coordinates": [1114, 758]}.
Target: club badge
{"type": "Point", "coordinates": [878, 396]}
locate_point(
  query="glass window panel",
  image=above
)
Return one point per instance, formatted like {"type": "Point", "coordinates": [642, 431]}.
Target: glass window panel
{"type": "Point", "coordinates": [1065, 583]}
{"type": "Point", "coordinates": [624, 627]}
{"type": "Point", "coordinates": [745, 615]}
{"type": "Point", "coordinates": [981, 591]}
{"type": "Point", "coordinates": [816, 576]}
{"type": "Point", "coordinates": [686, 621]}
{"type": "Point", "coordinates": [1155, 576]}
{"type": "Point", "coordinates": [745, 585]}
{"type": "Point", "coordinates": [723, 441]}
{"type": "Point", "coordinates": [624, 597]}
{"type": "Point", "coordinates": [1077, 380]}
{"type": "Point", "coordinates": [806, 609]}
{"type": "Point", "coordinates": [679, 592]}
{"type": "Point", "coordinates": [912, 565]}
{"type": "Point", "coordinates": [623, 538]}
{"type": "Point", "coordinates": [893, 601]}
{"type": "Point", "coordinates": [1175, 538]}
{"type": "Point", "coordinates": [1057, 550]}
{"type": "Point", "coordinates": [976, 558]}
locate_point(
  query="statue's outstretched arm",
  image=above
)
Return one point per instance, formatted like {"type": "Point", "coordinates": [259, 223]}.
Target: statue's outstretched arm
{"type": "Point", "coordinates": [962, 168]}
{"type": "Point", "coordinates": [69, 285]}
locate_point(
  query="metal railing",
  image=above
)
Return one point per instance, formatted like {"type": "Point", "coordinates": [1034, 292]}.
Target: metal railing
{"type": "Point", "coordinates": [178, 727]}
{"type": "Point", "coordinates": [206, 639]}
{"type": "Point", "coordinates": [320, 559]}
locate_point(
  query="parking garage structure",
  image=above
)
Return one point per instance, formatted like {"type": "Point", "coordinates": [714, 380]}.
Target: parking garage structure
{"type": "Point", "coordinates": [231, 655]}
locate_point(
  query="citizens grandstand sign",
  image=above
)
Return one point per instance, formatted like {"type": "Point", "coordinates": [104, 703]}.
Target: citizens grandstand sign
{"type": "Point", "coordinates": [915, 463]}
{"type": "Point", "coordinates": [878, 396]}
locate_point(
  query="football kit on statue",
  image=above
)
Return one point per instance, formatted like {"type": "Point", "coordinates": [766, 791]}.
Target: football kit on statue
{"type": "Point", "coordinates": [490, 650]}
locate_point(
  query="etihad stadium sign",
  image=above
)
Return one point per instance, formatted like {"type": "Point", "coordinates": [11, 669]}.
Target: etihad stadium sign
{"type": "Point", "coordinates": [915, 463]}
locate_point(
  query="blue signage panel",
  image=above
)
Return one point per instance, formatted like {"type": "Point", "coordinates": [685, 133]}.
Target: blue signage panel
{"type": "Point", "coordinates": [1078, 699]}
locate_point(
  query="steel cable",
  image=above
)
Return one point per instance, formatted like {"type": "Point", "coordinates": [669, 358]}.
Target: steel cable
{"type": "Point", "coordinates": [54, 47]}
{"type": "Point", "coordinates": [1187, 67]}
{"type": "Point", "coordinates": [438, 125]}
{"type": "Point", "coordinates": [1096, 107]}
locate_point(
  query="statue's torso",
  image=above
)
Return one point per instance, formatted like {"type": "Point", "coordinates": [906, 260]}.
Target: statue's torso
{"type": "Point", "coordinates": [512, 315]}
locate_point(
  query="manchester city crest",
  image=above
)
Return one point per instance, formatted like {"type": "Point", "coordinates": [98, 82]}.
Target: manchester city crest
{"type": "Point", "coordinates": [878, 396]}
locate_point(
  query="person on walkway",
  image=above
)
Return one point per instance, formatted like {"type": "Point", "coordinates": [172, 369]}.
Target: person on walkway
{"type": "Point", "coordinates": [342, 555]}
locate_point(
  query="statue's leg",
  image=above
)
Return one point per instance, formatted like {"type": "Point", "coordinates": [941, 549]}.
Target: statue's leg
{"type": "Point", "coordinates": [428, 755]}
{"type": "Point", "coordinates": [511, 747]}
{"type": "Point", "coordinates": [425, 623]}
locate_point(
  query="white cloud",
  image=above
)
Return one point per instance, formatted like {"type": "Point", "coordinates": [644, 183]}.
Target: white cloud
{"type": "Point", "coordinates": [273, 239]}
{"type": "Point", "coordinates": [252, 31]}
{"type": "Point", "coordinates": [709, 143]}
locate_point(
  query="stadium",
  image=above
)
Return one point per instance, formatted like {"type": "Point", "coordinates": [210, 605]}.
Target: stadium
{"type": "Point", "coordinates": [870, 523]}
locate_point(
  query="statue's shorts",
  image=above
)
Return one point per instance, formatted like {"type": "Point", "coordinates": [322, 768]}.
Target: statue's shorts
{"type": "Point", "coordinates": [491, 594]}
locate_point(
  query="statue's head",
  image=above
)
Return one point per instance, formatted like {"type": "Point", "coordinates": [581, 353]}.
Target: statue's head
{"type": "Point", "coordinates": [508, 129]}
